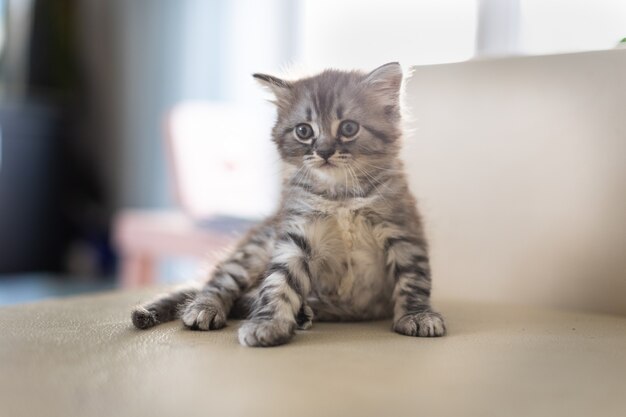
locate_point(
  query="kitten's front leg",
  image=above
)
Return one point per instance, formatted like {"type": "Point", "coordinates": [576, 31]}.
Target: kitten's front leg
{"type": "Point", "coordinates": [274, 318]}
{"type": "Point", "coordinates": [407, 259]}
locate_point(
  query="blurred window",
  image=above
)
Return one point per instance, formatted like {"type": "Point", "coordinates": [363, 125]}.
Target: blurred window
{"type": "Point", "coordinates": [354, 33]}
{"type": "Point", "coordinates": [360, 34]}
{"type": "Point", "coordinates": [557, 26]}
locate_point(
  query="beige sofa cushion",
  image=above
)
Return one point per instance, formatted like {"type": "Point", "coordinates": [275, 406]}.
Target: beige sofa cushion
{"type": "Point", "coordinates": [519, 168]}
{"type": "Point", "coordinates": [81, 357]}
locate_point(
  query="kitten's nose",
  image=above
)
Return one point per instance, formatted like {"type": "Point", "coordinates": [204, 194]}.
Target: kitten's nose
{"type": "Point", "coordinates": [325, 153]}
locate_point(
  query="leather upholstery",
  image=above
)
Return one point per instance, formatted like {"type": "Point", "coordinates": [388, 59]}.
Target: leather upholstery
{"type": "Point", "coordinates": [81, 357]}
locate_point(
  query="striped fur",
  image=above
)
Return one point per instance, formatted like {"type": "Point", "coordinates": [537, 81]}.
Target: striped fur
{"type": "Point", "coordinates": [346, 242]}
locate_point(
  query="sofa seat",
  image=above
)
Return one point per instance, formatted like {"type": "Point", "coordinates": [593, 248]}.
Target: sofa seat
{"type": "Point", "coordinates": [82, 357]}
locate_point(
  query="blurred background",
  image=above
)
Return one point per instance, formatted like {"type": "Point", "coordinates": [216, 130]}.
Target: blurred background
{"type": "Point", "coordinates": [135, 145]}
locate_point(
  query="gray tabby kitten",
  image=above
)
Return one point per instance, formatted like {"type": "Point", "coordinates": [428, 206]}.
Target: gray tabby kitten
{"type": "Point", "coordinates": [346, 242]}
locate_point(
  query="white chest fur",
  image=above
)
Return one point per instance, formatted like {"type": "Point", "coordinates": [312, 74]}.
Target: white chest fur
{"type": "Point", "coordinates": [348, 266]}
{"type": "Point", "coordinates": [351, 235]}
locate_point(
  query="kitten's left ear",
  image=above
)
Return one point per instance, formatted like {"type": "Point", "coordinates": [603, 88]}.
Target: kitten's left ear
{"type": "Point", "coordinates": [271, 82]}
{"type": "Point", "coordinates": [386, 80]}
{"type": "Point", "coordinates": [280, 88]}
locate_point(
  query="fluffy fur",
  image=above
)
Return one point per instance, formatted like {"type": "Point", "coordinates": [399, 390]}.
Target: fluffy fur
{"type": "Point", "coordinates": [346, 242]}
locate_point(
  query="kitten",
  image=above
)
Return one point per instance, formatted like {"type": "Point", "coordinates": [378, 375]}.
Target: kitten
{"type": "Point", "coordinates": [346, 242]}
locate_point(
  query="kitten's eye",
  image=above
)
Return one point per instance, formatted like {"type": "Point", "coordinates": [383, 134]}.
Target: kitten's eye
{"type": "Point", "coordinates": [348, 128]}
{"type": "Point", "coordinates": [304, 131]}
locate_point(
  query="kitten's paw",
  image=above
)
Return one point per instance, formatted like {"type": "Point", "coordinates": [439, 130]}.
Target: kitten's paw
{"type": "Point", "coordinates": [424, 324]}
{"type": "Point", "coordinates": [143, 318]}
{"type": "Point", "coordinates": [266, 332]}
{"type": "Point", "coordinates": [204, 315]}
{"type": "Point", "coordinates": [304, 318]}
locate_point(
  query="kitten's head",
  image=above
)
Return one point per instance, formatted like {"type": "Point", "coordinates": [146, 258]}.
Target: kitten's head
{"type": "Point", "coordinates": [338, 122]}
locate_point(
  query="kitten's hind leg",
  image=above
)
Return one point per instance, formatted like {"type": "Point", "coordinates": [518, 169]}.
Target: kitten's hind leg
{"type": "Point", "coordinates": [207, 311]}
{"type": "Point", "coordinates": [231, 279]}
{"type": "Point", "coordinates": [162, 309]}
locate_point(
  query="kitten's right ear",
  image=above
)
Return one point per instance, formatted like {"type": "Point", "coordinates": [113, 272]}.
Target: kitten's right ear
{"type": "Point", "coordinates": [280, 88]}
{"type": "Point", "coordinates": [271, 82]}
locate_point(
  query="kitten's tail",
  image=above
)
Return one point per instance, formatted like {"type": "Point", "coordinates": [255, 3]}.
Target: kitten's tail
{"type": "Point", "coordinates": [162, 309]}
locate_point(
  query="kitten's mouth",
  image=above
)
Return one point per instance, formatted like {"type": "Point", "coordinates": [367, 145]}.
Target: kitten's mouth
{"type": "Point", "coordinates": [327, 164]}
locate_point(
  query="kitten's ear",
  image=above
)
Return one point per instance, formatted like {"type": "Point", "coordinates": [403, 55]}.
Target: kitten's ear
{"type": "Point", "coordinates": [271, 82]}
{"type": "Point", "coordinates": [386, 80]}
{"type": "Point", "coordinates": [280, 88]}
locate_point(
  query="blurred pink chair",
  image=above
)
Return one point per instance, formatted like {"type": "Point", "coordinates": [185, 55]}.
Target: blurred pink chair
{"type": "Point", "coordinates": [211, 153]}
{"type": "Point", "coordinates": [145, 237]}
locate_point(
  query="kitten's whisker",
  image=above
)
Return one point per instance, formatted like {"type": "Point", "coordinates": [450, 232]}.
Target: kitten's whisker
{"type": "Point", "coordinates": [295, 175]}
{"type": "Point", "coordinates": [358, 179]}
{"type": "Point", "coordinates": [354, 184]}
{"type": "Point", "coordinates": [381, 168]}
{"type": "Point", "coordinates": [357, 183]}
{"type": "Point", "coordinates": [374, 179]}
{"type": "Point", "coordinates": [345, 191]}
{"type": "Point", "coordinates": [302, 174]}
{"type": "Point", "coordinates": [374, 185]}
{"type": "Point", "coordinates": [304, 178]}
